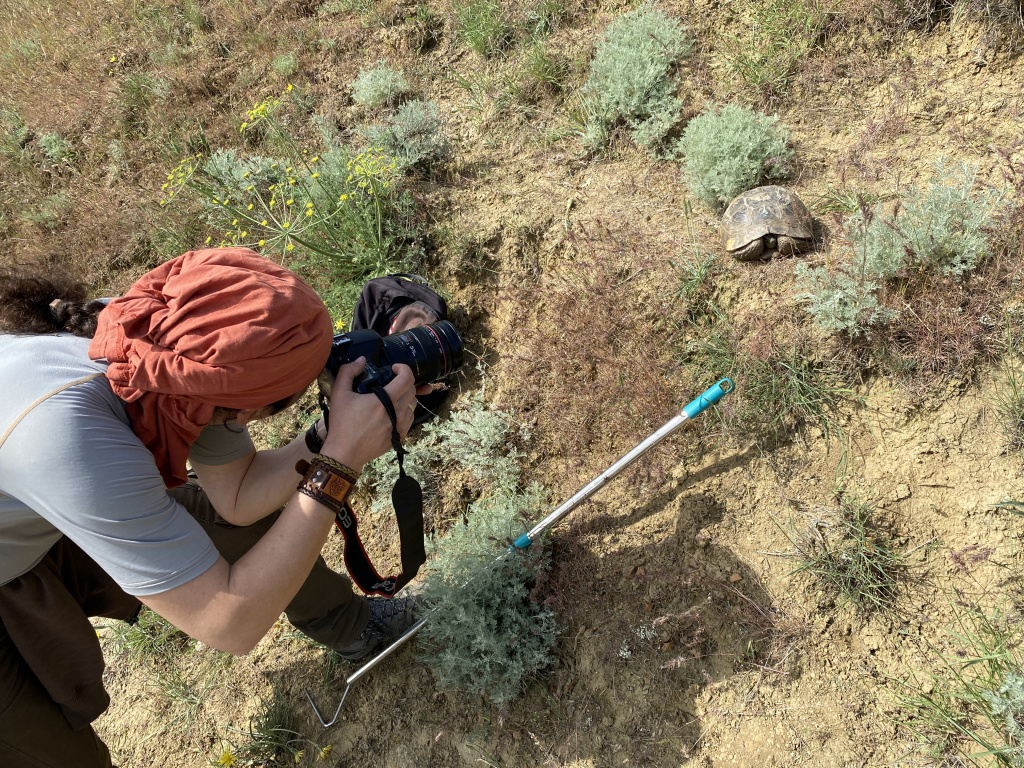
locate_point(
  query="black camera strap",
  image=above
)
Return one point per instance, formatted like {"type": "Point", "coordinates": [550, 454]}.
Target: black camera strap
{"type": "Point", "coordinates": [407, 499]}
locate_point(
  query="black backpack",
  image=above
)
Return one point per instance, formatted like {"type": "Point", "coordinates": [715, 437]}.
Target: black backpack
{"type": "Point", "coordinates": [384, 297]}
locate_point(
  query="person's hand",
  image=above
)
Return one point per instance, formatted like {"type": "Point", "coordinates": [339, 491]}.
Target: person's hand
{"type": "Point", "coordinates": [360, 427]}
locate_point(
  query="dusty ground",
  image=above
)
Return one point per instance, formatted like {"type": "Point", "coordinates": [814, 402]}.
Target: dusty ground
{"type": "Point", "coordinates": [685, 638]}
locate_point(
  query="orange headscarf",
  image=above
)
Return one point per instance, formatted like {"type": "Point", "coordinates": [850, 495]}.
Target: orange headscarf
{"type": "Point", "coordinates": [215, 327]}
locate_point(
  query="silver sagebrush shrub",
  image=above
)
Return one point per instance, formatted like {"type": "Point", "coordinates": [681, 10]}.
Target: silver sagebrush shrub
{"type": "Point", "coordinates": [415, 135]}
{"type": "Point", "coordinates": [487, 633]}
{"type": "Point", "coordinates": [379, 86]}
{"type": "Point", "coordinates": [728, 150]}
{"type": "Point", "coordinates": [839, 301]}
{"type": "Point", "coordinates": [1008, 703]}
{"type": "Point", "coordinates": [476, 439]}
{"type": "Point", "coordinates": [629, 77]}
{"type": "Point", "coordinates": [944, 226]}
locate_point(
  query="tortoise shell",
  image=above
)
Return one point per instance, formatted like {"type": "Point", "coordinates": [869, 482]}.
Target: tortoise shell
{"type": "Point", "coordinates": [766, 213]}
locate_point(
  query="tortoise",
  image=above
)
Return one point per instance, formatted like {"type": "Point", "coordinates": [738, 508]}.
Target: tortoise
{"type": "Point", "coordinates": [766, 221]}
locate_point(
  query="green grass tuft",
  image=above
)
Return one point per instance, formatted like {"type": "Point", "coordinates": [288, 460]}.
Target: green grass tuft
{"type": "Point", "coordinates": [851, 556]}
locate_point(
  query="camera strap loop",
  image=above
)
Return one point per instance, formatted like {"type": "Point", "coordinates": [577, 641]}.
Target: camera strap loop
{"type": "Point", "coordinates": [407, 499]}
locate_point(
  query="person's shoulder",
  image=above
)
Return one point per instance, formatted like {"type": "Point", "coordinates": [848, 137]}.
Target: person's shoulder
{"type": "Point", "coordinates": [32, 366]}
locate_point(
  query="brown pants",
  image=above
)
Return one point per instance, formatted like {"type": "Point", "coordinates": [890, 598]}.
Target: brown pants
{"type": "Point", "coordinates": [51, 665]}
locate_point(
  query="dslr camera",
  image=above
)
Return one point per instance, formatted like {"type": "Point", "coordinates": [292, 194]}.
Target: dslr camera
{"type": "Point", "coordinates": [432, 352]}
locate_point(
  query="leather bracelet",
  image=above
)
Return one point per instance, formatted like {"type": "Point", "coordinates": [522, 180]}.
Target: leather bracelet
{"type": "Point", "coordinates": [326, 481]}
{"type": "Point", "coordinates": [313, 440]}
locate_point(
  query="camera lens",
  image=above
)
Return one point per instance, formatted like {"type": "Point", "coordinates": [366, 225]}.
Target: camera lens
{"type": "Point", "coordinates": [432, 351]}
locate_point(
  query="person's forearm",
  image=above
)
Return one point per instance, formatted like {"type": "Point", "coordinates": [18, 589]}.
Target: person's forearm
{"type": "Point", "coordinates": [230, 607]}
{"type": "Point", "coordinates": [246, 491]}
{"type": "Point", "coordinates": [269, 482]}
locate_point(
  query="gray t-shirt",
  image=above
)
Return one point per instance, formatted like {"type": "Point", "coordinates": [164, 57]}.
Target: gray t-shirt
{"type": "Point", "coordinates": [73, 466]}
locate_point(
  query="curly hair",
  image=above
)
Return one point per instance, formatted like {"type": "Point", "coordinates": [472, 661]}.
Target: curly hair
{"type": "Point", "coordinates": [33, 304]}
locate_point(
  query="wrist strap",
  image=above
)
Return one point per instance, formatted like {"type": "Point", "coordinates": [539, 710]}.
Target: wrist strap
{"type": "Point", "coordinates": [327, 481]}
{"type": "Point", "coordinates": [407, 499]}
{"type": "Point", "coordinates": [314, 442]}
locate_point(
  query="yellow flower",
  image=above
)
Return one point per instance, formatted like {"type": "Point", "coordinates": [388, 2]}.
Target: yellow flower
{"type": "Point", "coordinates": [271, 187]}
{"type": "Point", "coordinates": [226, 758]}
{"type": "Point", "coordinates": [289, 87]}
{"type": "Point", "coordinates": [309, 205]}
{"type": "Point", "coordinates": [315, 158]}
{"type": "Point", "coordinates": [289, 201]}
{"type": "Point", "coordinates": [325, 752]}
{"type": "Point", "coordinates": [250, 207]}
{"type": "Point", "coordinates": [209, 239]}
{"type": "Point", "coordinates": [263, 223]}
{"type": "Point", "coordinates": [234, 223]}
{"type": "Point", "coordinates": [315, 176]}
{"type": "Point", "coordinates": [300, 753]}
{"type": "Point", "coordinates": [286, 225]}
{"type": "Point", "coordinates": [343, 197]}
{"type": "Point", "coordinates": [309, 213]}
{"type": "Point", "coordinates": [288, 169]}
{"type": "Point", "coordinates": [263, 242]}
{"type": "Point", "coordinates": [244, 233]}
{"type": "Point", "coordinates": [113, 59]}
{"type": "Point", "coordinates": [291, 246]}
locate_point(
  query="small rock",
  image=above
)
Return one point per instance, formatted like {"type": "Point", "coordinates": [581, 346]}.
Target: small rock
{"type": "Point", "coordinates": [666, 647]}
{"type": "Point", "coordinates": [735, 577]}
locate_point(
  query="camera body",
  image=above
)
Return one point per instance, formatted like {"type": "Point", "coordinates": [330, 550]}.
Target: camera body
{"type": "Point", "coordinates": [432, 352]}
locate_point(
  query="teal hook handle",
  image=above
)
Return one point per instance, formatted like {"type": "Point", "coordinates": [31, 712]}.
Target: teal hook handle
{"type": "Point", "coordinates": [709, 398]}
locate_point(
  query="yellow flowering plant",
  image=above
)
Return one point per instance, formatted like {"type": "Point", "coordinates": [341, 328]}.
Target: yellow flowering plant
{"type": "Point", "coordinates": [335, 215]}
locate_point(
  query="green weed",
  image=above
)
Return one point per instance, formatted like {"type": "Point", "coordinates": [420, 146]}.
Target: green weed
{"type": "Point", "coordinates": [338, 211]}
{"type": "Point", "coordinates": [475, 440]}
{"type": "Point", "coordinates": [789, 388]}
{"type": "Point", "coordinates": [148, 637]}
{"type": "Point", "coordinates": [56, 149]}
{"type": "Point", "coordinates": [271, 736]}
{"type": "Point", "coordinates": [944, 227]}
{"type": "Point", "coordinates": [544, 68]}
{"type": "Point", "coordinates": [51, 213]}
{"type": "Point", "coordinates": [843, 300]}
{"type": "Point", "coordinates": [850, 555]}
{"type": "Point", "coordinates": [488, 632]}
{"type": "Point", "coordinates": [695, 274]}
{"type": "Point", "coordinates": [780, 34]}
{"type": "Point", "coordinates": [285, 65]}
{"type": "Point", "coordinates": [484, 26]}
{"type": "Point", "coordinates": [971, 709]}
{"type": "Point", "coordinates": [728, 150]}
{"type": "Point", "coordinates": [1009, 398]}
